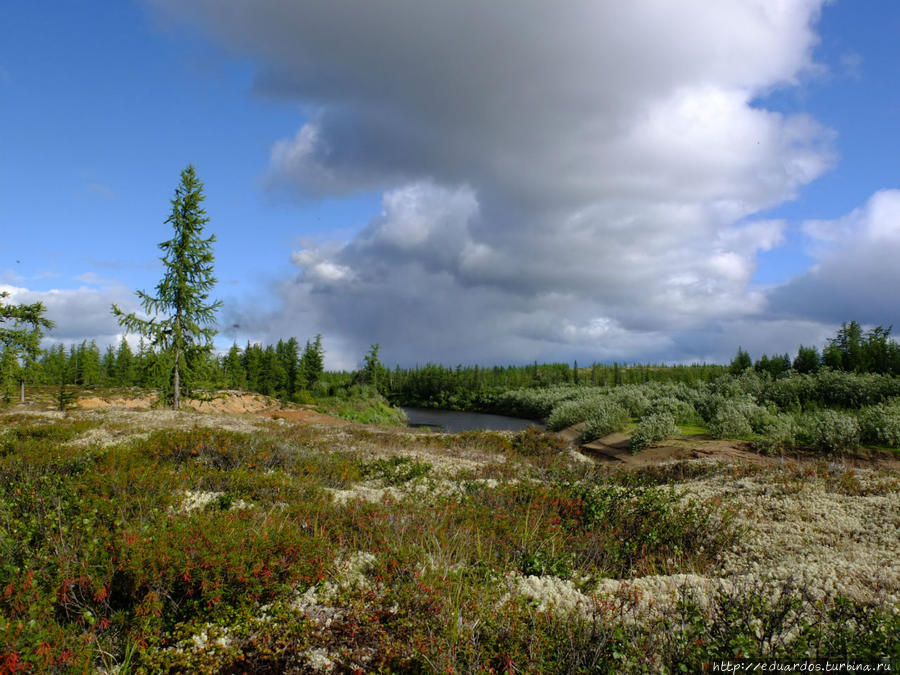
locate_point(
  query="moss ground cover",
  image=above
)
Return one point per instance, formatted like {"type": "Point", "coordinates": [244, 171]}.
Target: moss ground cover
{"type": "Point", "coordinates": [196, 549]}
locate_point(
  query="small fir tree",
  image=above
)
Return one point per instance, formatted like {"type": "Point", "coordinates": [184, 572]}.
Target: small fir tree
{"type": "Point", "coordinates": [125, 365]}
{"type": "Point", "coordinates": [312, 363]}
{"type": "Point", "coordinates": [740, 362]}
{"type": "Point", "coordinates": [108, 365]}
{"type": "Point", "coordinates": [54, 362]}
{"type": "Point", "coordinates": [373, 371]}
{"type": "Point", "coordinates": [289, 353]}
{"type": "Point", "coordinates": [21, 330]}
{"type": "Point", "coordinates": [807, 360]}
{"type": "Point", "coordinates": [89, 357]}
{"type": "Point", "coordinates": [187, 323]}
{"type": "Point", "coordinates": [234, 369]}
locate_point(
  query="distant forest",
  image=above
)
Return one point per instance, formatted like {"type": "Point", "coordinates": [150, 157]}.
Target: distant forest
{"type": "Point", "coordinates": [289, 372]}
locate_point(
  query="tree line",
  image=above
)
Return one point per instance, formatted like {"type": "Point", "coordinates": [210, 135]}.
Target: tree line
{"type": "Point", "coordinates": [461, 387]}
{"type": "Point", "coordinates": [851, 350]}
{"type": "Point", "coordinates": [282, 370]}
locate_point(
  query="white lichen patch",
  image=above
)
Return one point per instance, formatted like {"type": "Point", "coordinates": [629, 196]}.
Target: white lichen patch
{"type": "Point", "coordinates": [209, 637]}
{"type": "Point", "coordinates": [350, 574]}
{"type": "Point", "coordinates": [100, 436]}
{"type": "Point", "coordinates": [351, 571]}
{"type": "Point", "coordinates": [445, 461]}
{"type": "Point", "coordinates": [800, 534]}
{"type": "Point", "coordinates": [551, 593]}
{"type": "Point", "coordinates": [364, 492]}
{"type": "Point", "coordinates": [319, 659]}
{"type": "Point", "coordinates": [314, 603]}
{"type": "Point", "coordinates": [424, 488]}
{"type": "Point", "coordinates": [199, 499]}
{"type": "Point", "coordinates": [827, 541]}
{"type": "Point", "coordinates": [121, 425]}
{"type": "Point", "coordinates": [578, 457]}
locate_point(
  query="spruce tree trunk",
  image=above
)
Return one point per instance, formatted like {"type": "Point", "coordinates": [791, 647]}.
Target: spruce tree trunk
{"type": "Point", "coordinates": [177, 385]}
{"type": "Point", "coordinates": [22, 390]}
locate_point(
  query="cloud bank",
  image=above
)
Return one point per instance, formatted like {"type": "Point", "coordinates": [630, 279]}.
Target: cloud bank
{"type": "Point", "coordinates": [576, 183]}
{"type": "Point", "coordinates": [79, 313]}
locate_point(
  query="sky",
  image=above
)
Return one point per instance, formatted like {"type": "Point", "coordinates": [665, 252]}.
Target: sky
{"type": "Point", "coordinates": [463, 182]}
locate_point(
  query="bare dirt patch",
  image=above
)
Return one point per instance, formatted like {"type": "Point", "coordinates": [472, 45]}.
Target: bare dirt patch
{"type": "Point", "coordinates": [144, 402]}
{"type": "Point", "coordinates": [224, 402]}
{"type": "Point", "coordinates": [616, 448]}
{"type": "Point", "coordinates": [230, 402]}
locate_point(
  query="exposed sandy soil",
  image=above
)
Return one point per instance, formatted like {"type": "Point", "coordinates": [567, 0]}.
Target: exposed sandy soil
{"type": "Point", "coordinates": [144, 402]}
{"type": "Point", "coordinates": [614, 449]}
{"type": "Point", "coordinates": [224, 402]}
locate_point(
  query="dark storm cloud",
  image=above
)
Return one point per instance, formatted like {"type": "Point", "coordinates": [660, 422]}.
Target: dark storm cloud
{"type": "Point", "coordinates": [555, 182]}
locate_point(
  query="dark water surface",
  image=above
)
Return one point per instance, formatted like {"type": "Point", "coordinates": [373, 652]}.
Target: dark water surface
{"type": "Point", "coordinates": [454, 421]}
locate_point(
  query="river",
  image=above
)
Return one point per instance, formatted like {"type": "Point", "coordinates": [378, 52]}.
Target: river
{"type": "Point", "coordinates": [454, 421]}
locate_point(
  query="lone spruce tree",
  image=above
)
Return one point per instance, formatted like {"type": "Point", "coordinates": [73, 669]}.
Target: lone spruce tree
{"type": "Point", "coordinates": [21, 330]}
{"type": "Point", "coordinates": [187, 324]}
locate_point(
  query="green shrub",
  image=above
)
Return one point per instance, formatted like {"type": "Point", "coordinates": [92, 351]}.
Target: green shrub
{"type": "Point", "coordinates": [546, 563]}
{"type": "Point", "coordinates": [396, 470]}
{"type": "Point", "coordinates": [758, 621]}
{"type": "Point", "coordinates": [792, 393]}
{"type": "Point", "coordinates": [880, 425]}
{"type": "Point", "coordinates": [574, 411]}
{"type": "Point", "coordinates": [534, 404]}
{"type": "Point", "coordinates": [833, 431]}
{"type": "Point", "coordinates": [708, 404]}
{"type": "Point", "coordinates": [740, 417]}
{"type": "Point", "coordinates": [605, 419]}
{"type": "Point", "coordinates": [730, 421]}
{"type": "Point", "coordinates": [633, 398]}
{"type": "Point", "coordinates": [777, 436]}
{"type": "Point", "coordinates": [652, 429]}
{"type": "Point", "coordinates": [681, 411]}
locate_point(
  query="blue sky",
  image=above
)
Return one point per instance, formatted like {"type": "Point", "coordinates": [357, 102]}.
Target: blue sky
{"type": "Point", "coordinates": [856, 96]}
{"type": "Point", "coordinates": [523, 186]}
{"type": "Point", "coordinates": [103, 108]}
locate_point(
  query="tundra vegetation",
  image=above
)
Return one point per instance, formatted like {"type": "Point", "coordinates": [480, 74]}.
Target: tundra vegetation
{"type": "Point", "coordinates": [161, 541]}
{"type": "Point", "coordinates": [157, 541]}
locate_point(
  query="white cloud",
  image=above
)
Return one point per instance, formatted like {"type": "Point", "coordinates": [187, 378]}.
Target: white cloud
{"type": "Point", "coordinates": [856, 271]}
{"type": "Point", "coordinates": [554, 182]}
{"type": "Point", "coordinates": [79, 314]}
